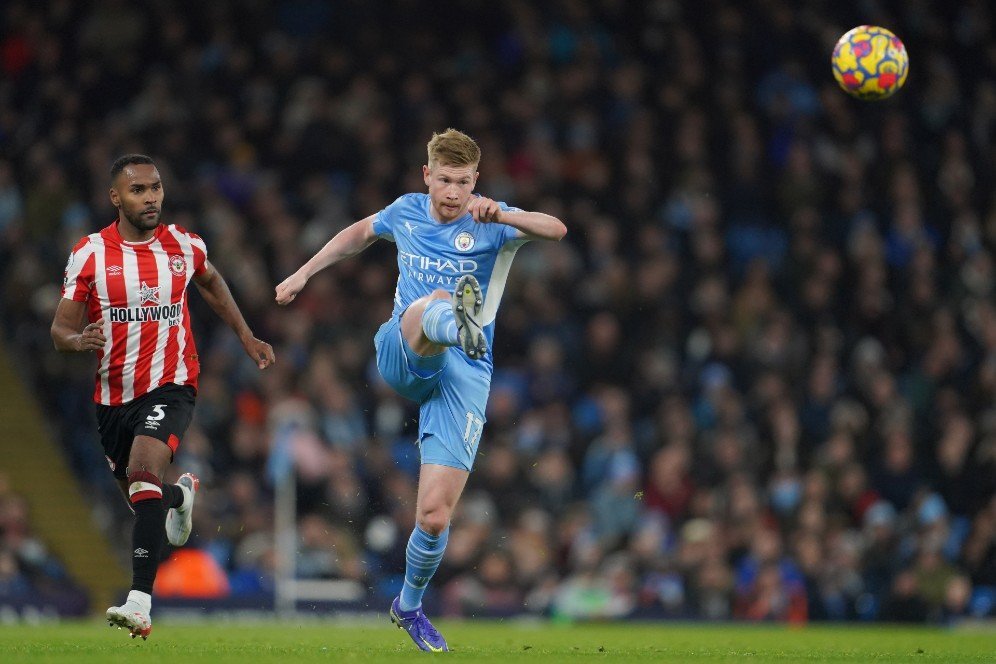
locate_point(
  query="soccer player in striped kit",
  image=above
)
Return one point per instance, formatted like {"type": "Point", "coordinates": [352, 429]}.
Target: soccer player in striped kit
{"type": "Point", "coordinates": [130, 282]}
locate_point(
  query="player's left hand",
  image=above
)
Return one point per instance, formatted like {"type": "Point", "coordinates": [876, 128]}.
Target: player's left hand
{"type": "Point", "coordinates": [260, 352]}
{"type": "Point", "coordinates": [484, 210]}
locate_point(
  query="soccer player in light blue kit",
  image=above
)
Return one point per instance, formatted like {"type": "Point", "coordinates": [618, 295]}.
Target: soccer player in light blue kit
{"type": "Point", "coordinates": [454, 253]}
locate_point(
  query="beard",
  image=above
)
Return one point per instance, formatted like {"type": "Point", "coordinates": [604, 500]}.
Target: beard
{"type": "Point", "coordinates": [142, 222]}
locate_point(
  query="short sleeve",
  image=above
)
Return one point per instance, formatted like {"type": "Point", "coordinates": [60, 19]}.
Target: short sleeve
{"type": "Point", "coordinates": [200, 253]}
{"type": "Point", "coordinates": [510, 233]}
{"type": "Point", "coordinates": [386, 220]}
{"type": "Point", "coordinates": [78, 276]}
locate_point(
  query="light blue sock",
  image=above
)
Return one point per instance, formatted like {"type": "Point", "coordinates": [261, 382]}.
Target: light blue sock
{"type": "Point", "coordinates": [439, 324]}
{"type": "Point", "coordinates": [422, 556]}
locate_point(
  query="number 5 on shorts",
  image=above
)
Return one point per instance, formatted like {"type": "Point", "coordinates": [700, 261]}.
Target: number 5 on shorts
{"type": "Point", "coordinates": [160, 415]}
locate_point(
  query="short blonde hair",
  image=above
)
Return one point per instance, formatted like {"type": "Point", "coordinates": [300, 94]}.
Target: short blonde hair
{"type": "Point", "coordinates": [453, 148]}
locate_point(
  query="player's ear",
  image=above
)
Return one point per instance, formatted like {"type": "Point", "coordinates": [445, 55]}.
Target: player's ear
{"type": "Point", "coordinates": [426, 174]}
{"type": "Point", "coordinates": [115, 198]}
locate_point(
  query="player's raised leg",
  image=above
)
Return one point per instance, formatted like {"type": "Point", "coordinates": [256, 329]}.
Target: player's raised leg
{"type": "Point", "coordinates": [177, 497]}
{"type": "Point", "coordinates": [444, 319]}
{"type": "Point", "coordinates": [425, 328]}
{"type": "Point", "coordinates": [439, 489]}
{"type": "Point", "coordinates": [180, 517]}
{"type": "Point", "coordinates": [146, 465]}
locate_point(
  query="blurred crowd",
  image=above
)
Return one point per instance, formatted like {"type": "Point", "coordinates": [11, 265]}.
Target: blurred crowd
{"type": "Point", "coordinates": [755, 381]}
{"type": "Point", "coordinates": [29, 574]}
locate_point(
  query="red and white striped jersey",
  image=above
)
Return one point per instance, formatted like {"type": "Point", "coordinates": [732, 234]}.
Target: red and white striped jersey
{"type": "Point", "coordinates": [140, 290]}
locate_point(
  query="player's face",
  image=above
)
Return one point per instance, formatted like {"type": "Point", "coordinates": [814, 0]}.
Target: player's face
{"type": "Point", "coordinates": [450, 188]}
{"type": "Point", "coordinates": [138, 193]}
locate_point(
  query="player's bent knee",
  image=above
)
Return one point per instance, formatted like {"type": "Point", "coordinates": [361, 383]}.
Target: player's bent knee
{"type": "Point", "coordinates": [416, 308]}
{"type": "Point", "coordinates": [434, 521]}
{"type": "Point", "coordinates": [413, 314]}
{"type": "Point", "coordinates": [151, 454]}
{"type": "Point", "coordinates": [142, 486]}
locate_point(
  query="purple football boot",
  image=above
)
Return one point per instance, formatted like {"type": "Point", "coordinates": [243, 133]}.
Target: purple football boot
{"type": "Point", "coordinates": [418, 627]}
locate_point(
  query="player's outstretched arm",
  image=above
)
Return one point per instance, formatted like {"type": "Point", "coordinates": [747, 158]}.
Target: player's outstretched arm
{"type": "Point", "coordinates": [347, 243]}
{"type": "Point", "coordinates": [66, 332]}
{"type": "Point", "coordinates": [532, 225]}
{"type": "Point", "coordinates": [535, 225]}
{"type": "Point", "coordinates": [217, 294]}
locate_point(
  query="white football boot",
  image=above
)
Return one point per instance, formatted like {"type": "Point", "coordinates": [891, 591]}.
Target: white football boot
{"type": "Point", "coordinates": [133, 615]}
{"type": "Point", "coordinates": [179, 520]}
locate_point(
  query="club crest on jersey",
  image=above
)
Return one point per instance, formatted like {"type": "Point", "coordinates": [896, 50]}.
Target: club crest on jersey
{"type": "Point", "coordinates": [464, 241]}
{"type": "Point", "coordinates": [177, 265]}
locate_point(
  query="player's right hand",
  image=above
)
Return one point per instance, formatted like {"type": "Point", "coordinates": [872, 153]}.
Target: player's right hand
{"type": "Point", "coordinates": [288, 289]}
{"type": "Point", "coordinates": [484, 210]}
{"type": "Point", "coordinates": [92, 337]}
{"type": "Point", "coordinates": [260, 352]}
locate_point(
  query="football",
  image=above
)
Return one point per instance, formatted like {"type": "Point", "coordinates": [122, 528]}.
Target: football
{"type": "Point", "coordinates": [870, 62]}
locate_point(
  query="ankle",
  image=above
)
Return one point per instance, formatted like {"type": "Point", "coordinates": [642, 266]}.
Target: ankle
{"type": "Point", "coordinates": [143, 599]}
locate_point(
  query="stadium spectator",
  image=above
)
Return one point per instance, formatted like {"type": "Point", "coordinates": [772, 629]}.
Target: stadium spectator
{"type": "Point", "coordinates": [29, 573]}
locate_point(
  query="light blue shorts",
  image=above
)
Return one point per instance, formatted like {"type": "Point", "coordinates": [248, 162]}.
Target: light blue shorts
{"type": "Point", "coordinates": [450, 389]}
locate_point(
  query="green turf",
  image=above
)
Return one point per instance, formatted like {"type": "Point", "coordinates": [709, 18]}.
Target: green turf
{"type": "Point", "coordinates": [191, 643]}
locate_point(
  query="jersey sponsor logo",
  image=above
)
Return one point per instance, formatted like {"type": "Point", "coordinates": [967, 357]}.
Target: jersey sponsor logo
{"type": "Point", "coordinates": [114, 270]}
{"type": "Point", "coordinates": [171, 313]}
{"type": "Point", "coordinates": [177, 265]}
{"type": "Point", "coordinates": [148, 294]}
{"type": "Point", "coordinates": [412, 228]}
{"type": "Point", "coordinates": [141, 553]}
{"type": "Point", "coordinates": [464, 241]}
{"type": "Point", "coordinates": [462, 266]}
{"type": "Point", "coordinates": [442, 271]}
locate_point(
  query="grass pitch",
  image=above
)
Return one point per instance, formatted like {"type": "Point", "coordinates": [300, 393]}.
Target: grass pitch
{"type": "Point", "coordinates": [332, 641]}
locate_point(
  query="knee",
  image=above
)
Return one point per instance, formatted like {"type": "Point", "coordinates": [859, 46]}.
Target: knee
{"type": "Point", "coordinates": [417, 308]}
{"type": "Point", "coordinates": [438, 294]}
{"type": "Point", "coordinates": [434, 521]}
{"type": "Point", "coordinates": [143, 486]}
{"type": "Point", "coordinates": [420, 305]}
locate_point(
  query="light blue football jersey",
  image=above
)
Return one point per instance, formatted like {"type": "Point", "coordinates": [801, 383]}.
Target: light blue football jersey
{"type": "Point", "coordinates": [434, 255]}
